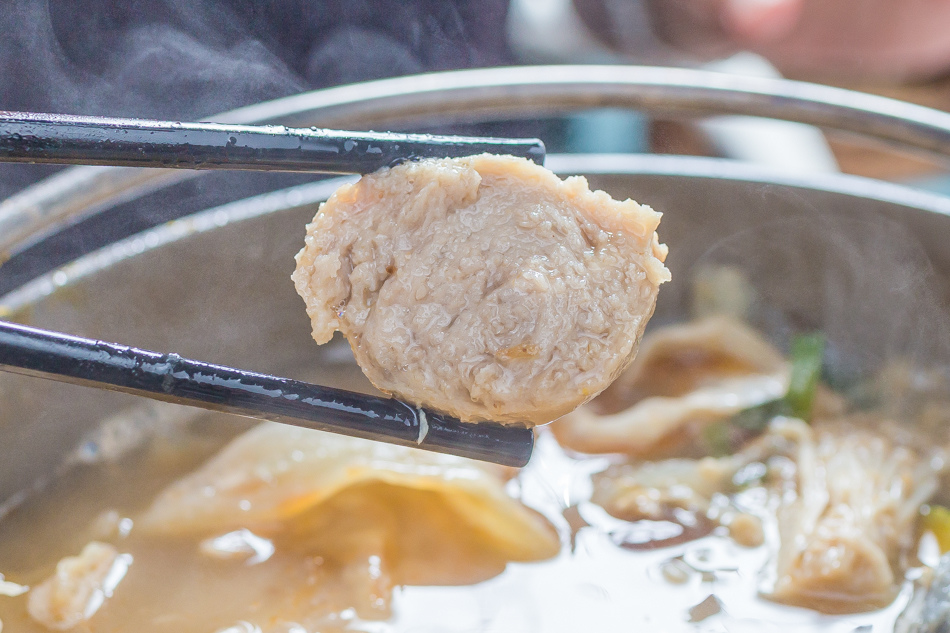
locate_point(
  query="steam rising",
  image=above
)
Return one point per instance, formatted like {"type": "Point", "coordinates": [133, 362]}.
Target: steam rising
{"type": "Point", "coordinates": [866, 283]}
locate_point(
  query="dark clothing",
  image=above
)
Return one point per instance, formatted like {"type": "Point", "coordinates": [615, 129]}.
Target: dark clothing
{"type": "Point", "coordinates": [187, 59]}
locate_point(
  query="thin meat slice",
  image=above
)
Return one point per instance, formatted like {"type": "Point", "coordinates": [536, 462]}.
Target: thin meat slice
{"type": "Point", "coordinates": [484, 287]}
{"type": "Point", "coordinates": [686, 377]}
{"type": "Point", "coordinates": [377, 515]}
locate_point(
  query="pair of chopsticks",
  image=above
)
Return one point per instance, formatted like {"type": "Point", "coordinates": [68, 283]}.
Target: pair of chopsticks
{"type": "Point", "coordinates": [63, 139]}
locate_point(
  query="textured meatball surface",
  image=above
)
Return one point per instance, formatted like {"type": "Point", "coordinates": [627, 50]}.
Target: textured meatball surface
{"type": "Point", "coordinates": [484, 287]}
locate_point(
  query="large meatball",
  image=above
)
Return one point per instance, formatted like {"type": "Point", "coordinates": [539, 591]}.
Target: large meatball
{"type": "Point", "coordinates": [484, 287]}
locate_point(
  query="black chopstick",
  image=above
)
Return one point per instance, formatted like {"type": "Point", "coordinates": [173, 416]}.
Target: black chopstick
{"type": "Point", "coordinates": [171, 378]}
{"type": "Point", "coordinates": [29, 137]}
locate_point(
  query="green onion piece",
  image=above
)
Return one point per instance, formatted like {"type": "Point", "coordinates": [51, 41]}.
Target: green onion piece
{"type": "Point", "coordinates": [808, 352]}
{"type": "Point", "coordinates": [756, 419]}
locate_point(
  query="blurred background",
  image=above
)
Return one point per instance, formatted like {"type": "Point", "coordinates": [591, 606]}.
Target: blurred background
{"type": "Point", "coordinates": [187, 60]}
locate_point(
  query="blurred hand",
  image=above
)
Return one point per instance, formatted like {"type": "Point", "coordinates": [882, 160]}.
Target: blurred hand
{"type": "Point", "coordinates": [892, 39]}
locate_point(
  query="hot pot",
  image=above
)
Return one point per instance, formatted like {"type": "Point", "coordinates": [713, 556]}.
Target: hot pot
{"type": "Point", "coordinates": [864, 260]}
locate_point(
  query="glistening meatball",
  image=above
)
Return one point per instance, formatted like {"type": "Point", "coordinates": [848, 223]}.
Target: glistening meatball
{"type": "Point", "coordinates": [484, 287]}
